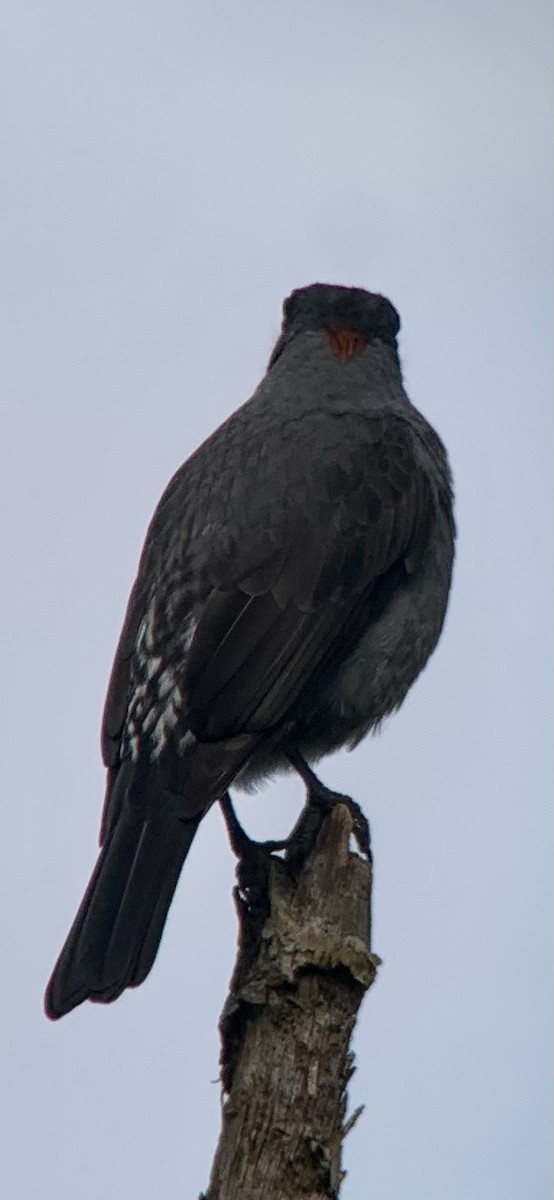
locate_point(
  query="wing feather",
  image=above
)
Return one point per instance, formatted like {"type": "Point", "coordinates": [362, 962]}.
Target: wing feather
{"type": "Point", "coordinates": [280, 604]}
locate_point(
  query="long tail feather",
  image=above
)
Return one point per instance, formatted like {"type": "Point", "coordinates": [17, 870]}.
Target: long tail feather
{"type": "Point", "coordinates": [115, 937]}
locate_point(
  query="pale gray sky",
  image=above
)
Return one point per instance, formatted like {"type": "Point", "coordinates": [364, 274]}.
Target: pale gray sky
{"type": "Point", "coordinates": [171, 171]}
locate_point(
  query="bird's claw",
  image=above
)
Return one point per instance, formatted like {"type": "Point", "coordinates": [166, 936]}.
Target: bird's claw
{"type": "Point", "coordinates": [321, 801]}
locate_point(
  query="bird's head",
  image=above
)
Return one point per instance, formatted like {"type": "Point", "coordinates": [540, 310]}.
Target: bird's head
{"type": "Point", "coordinates": [351, 317]}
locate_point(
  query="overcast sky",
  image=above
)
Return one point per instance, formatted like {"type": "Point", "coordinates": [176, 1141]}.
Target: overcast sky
{"type": "Point", "coordinates": [170, 172]}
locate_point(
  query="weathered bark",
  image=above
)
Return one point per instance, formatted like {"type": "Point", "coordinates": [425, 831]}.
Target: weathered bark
{"type": "Point", "coordinates": [303, 967]}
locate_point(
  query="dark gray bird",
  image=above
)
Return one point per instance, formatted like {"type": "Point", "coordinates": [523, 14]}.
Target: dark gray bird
{"type": "Point", "coordinates": [293, 583]}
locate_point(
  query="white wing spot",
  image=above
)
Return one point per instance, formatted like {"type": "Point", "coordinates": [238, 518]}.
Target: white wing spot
{"type": "Point", "coordinates": [134, 746]}
{"type": "Point", "coordinates": [166, 683]}
{"type": "Point", "coordinates": [189, 634]}
{"type": "Point", "coordinates": [166, 722]}
{"type": "Point", "coordinates": [152, 667]}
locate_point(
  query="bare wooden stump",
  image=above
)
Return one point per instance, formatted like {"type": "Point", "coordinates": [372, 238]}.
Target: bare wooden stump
{"type": "Point", "coordinates": [303, 967]}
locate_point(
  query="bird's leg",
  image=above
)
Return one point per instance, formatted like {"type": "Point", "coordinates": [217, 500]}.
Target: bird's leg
{"type": "Point", "coordinates": [243, 845]}
{"type": "Point", "coordinates": [252, 891]}
{"type": "Point", "coordinates": [254, 856]}
{"type": "Point", "coordinates": [319, 803]}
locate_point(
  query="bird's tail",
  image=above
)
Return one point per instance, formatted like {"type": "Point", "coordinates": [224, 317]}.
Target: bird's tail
{"type": "Point", "coordinates": [115, 937]}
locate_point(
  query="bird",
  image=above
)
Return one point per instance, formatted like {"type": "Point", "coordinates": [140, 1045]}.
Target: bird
{"type": "Point", "coordinates": [293, 584]}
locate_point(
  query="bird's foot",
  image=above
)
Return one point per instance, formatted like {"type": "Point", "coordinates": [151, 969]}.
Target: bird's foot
{"type": "Point", "coordinates": [252, 891]}
{"type": "Point", "coordinates": [254, 857]}
{"type": "Point", "coordinates": [319, 803]}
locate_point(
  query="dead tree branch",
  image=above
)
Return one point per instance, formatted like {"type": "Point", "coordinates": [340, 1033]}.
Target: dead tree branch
{"type": "Point", "coordinates": [303, 967]}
